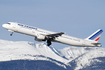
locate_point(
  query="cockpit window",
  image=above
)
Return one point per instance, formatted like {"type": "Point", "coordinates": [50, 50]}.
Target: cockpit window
{"type": "Point", "coordinates": [9, 23]}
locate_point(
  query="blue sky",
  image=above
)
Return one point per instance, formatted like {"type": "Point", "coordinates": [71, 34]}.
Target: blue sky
{"type": "Point", "coordinates": [78, 18]}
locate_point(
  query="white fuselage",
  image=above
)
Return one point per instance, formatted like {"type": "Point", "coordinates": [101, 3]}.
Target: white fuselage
{"type": "Point", "coordinates": [37, 32]}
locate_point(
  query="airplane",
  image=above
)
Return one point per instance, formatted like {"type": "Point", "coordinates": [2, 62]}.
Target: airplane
{"type": "Point", "coordinates": [49, 36]}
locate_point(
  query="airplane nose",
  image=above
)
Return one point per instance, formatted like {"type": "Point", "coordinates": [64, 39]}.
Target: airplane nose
{"type": "Point", "coordinates": [4, 25]}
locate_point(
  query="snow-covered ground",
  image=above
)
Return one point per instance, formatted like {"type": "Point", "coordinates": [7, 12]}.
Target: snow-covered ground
{"type": "Point", "coordinates": [10, 50]}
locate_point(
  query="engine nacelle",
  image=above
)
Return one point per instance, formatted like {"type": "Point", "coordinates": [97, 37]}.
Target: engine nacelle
{"type": "Point", "coordinates": [40, 38]}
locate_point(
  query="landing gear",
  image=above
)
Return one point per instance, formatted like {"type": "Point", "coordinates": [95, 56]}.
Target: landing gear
{"type": "Point", "coordinates": [11, 34]}
{"type": "Point", "coordinates": [49, 42]}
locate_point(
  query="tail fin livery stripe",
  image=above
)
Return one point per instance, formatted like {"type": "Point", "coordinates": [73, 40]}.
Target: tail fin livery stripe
{"type": "Point", "coordinates": [96, 35]}
{"type": "Point", "coordinates": [97, 39]}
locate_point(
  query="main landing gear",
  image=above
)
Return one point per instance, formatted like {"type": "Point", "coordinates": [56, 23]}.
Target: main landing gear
{"type": "Point", "coordinates": [49, 42]}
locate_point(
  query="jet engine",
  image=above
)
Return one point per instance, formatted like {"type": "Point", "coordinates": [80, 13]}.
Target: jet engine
{"type": "Point", "coordinates": [40, 38]}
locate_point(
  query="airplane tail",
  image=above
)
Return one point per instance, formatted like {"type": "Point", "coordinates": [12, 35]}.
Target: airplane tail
{"type": "Point", "coordinates": [95, 36]}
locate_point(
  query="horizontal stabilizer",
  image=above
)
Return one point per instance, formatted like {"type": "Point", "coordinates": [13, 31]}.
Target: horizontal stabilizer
{"type": "Point", "coordinates": [97, 44]}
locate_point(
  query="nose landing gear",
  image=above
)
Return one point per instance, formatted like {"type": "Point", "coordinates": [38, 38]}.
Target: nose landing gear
{"type": "Point", "coordinates": [11, 34]}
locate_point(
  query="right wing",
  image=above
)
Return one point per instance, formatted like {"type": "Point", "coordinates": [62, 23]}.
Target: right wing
{"type": "Point", "coordinates": [54, 35]}
{"type": "Point", "coordinates": [51, 37]}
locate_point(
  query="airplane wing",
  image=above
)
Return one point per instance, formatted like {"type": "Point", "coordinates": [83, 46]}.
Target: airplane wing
{"type": "Point", "coordinates": [53, 36]}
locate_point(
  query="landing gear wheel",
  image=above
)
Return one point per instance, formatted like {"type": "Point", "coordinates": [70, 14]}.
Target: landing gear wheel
{"type": "Point", "coordinates": [10, 34]}
{"type": "Point", "coordinates": [49, 42]}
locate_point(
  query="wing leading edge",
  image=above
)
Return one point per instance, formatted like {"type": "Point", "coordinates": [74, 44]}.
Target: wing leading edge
{"type": "Point", "coordinates": [51, 37]}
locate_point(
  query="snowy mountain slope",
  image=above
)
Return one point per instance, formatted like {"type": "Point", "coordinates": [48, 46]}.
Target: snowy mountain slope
{"type": "Point", "coordinates": [74, 57]}
{"type": "Point", "coordinates": [96, 65]}
{"type": "Point", "coordinates": [10, 50]}
{"type": "Point", "coordinates": [88, 58]}
{"type": "Point", "coordinates": [72, 52]}
{"type": "Point", "coordinates": [83, 56]}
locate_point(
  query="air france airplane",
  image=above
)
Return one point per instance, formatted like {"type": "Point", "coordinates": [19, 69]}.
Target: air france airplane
{"type": "Point", "coordinates": [49, 36]}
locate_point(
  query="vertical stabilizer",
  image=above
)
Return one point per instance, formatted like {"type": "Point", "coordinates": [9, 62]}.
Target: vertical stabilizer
{"type": "Point", "coordinates": [95, 36]}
